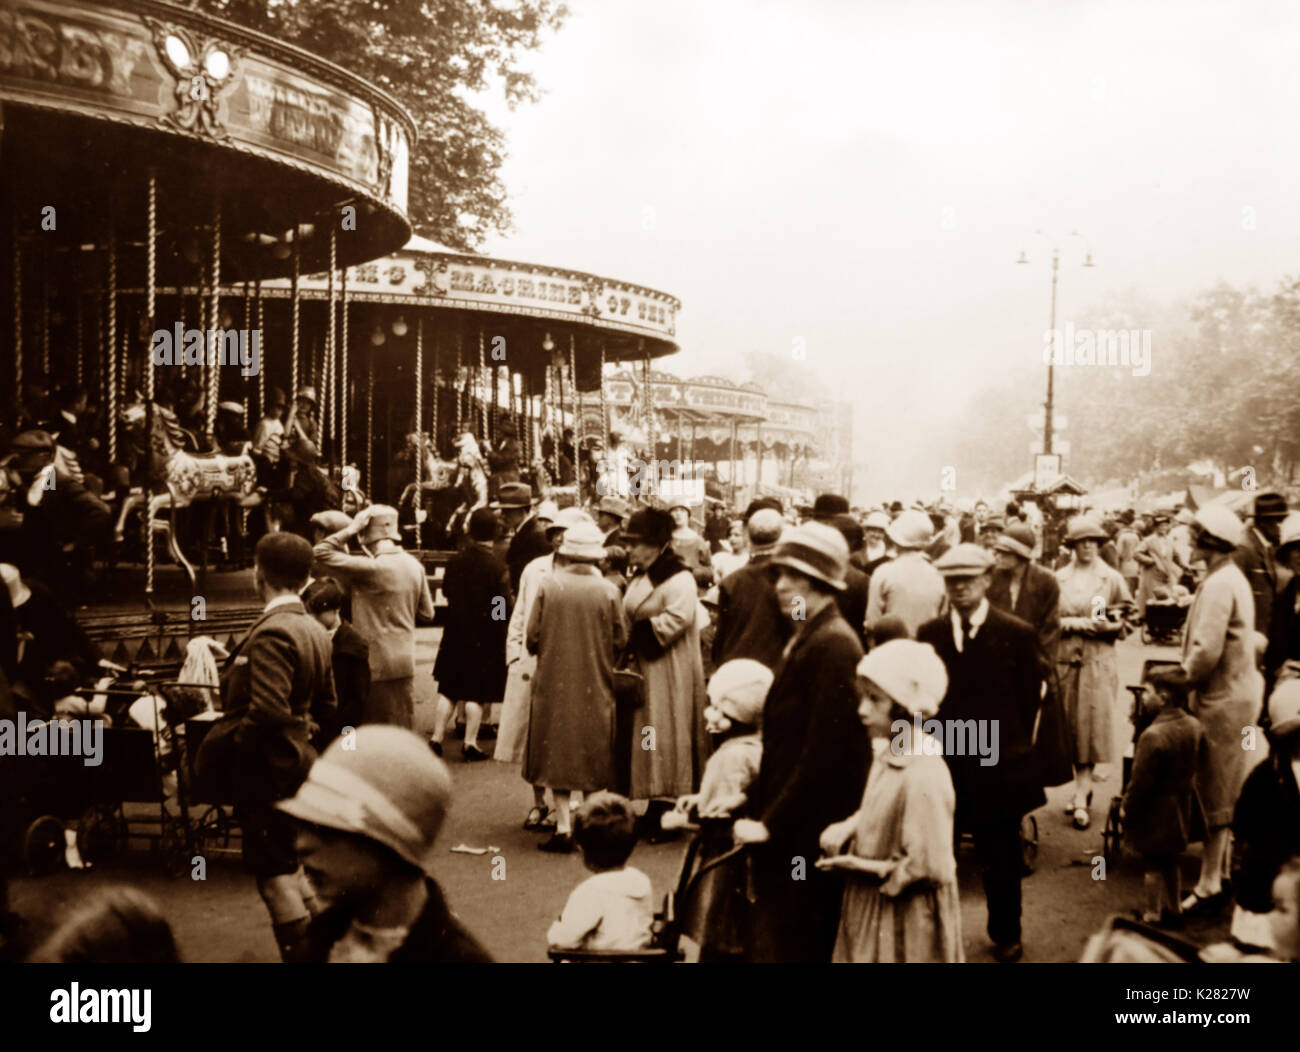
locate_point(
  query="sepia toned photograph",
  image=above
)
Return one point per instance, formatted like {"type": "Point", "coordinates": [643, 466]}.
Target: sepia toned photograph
{"type": "Point", "coordinates": [678, 482]}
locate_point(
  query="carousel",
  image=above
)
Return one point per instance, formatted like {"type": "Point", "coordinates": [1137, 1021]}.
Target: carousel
{"type": "Point", "coordinates": [452, 364]}
{"type": "Point", "coordinates": [158, 168]}
{"type": "Point", "coordinates": [734, 437]}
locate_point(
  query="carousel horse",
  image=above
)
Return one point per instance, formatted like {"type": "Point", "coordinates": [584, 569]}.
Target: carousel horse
{"type": "Point", "coordinates": [175, 477]}
{"type": "Point", "coordinates": [436, 494]}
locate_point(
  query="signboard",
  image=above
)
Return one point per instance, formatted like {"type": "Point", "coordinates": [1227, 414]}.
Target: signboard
{"type": "Point", "coordinates": [500, 286]}
{"type": "Point", "coordinates": [188, 75]}
{"type": "Point", "coordinates": [1047, 469]}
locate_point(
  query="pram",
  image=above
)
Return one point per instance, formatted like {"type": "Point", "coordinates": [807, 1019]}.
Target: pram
{"type": "Point", "coordinates": [1114, 829]}
{"type": "Point", "coordinates": [139, 789]}
{"type": "Point", "coordinates": [1163, 622]}
{"type": "Point", "coordinates": [679, 903]}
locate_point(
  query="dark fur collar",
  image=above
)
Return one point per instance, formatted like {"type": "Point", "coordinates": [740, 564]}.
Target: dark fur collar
{"type": "Point", "coordinates": [665, 566]}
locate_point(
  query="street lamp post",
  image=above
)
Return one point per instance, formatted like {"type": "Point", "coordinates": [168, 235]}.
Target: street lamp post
{"type": "Point", "coordinates": [1049, 404]}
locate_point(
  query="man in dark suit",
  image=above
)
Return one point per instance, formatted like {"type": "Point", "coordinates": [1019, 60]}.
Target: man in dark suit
{"type": "Point", "coordinates": [751, 623]}
{"type": "Point", "coordinates": [278, 679]}
{"type": "Point", "coordinates": [1255, 556]}
{"type": "Point", "coordinates": [529, 539]}
{"type": "Point", "coordinates": [994, 692]}
{"type": "Point", "coordinates": [815, 754]}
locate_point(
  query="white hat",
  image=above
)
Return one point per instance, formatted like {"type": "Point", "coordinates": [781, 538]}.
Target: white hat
{"type": "Point", "coordinates": [568, 518]}
{"type": "Point", "coordinates": [739, 687]}
{"type": "Point", "coordinates": [877, 520]}
{"type": "Point", "coordinates": [583, 542]}
{"type": "Point", "coordinates": [912, 529]}
{"type": "Point", "coordinates": [1284, 707]}
{"type": "Point", "coordinates": [1219, 523]}
{"type": "Point", "coordinates": [547, 510]}
{"type": "Point", "coordinates": [19, 593]}
{"type": "Point", "coordinates": [1290, 531]}
{"type": "Point", "coordinates": [909, 672]}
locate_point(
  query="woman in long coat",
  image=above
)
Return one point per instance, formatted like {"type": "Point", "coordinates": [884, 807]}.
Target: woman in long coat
{"type": "Point", "coordinates": [576, 630]}
{"type": "Point", "coordinates": [669, 744]}
{"type": "Point", "coordinates": [471, 662]}
{"type": "Point", "coordinates": [1094, 600]}
{"type": "Point", "coordinates": [1219, 659]}
{"type": "Point", "coordinates": [1155, 557]}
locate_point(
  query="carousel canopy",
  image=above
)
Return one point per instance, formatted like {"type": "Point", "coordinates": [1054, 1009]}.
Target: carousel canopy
{"type": "Point", "coordinates": [95, 95]}
{"type": "Point", "coordinates": [523, 303]}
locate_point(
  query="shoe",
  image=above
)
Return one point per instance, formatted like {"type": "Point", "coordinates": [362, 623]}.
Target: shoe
{"type": "Point", "coordinates": [1081, 818]}
{"type": "Point", "coordinates": [1008, 952]}
{"type": "Point", "coordinates": [536, 818]}
{"type": "Point", "coordinates": [472, 753]}
{"type": "Point", "coordinates": [557, 844]}
{"type": "Point", "coordinates": [1198, 905]}
{"type": "Point", "coordinates": [436, 747]}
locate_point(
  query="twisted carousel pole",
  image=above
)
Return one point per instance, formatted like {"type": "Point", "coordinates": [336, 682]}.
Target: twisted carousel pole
{"type": "Point", "coordinates": [331, 365]}
{"type": "Point", "coordinates": [293, 293]}
{"type": "Point", "coordinates": [18, 319]}
{"type": "Point", "coordinates": [81, 339]}
{"type": "Point", "coordinates": [419, 413]}
{"type": "Point", "coordinates": [150, 305]}
{"type": "Point", "coordinates": [604, 411]}
{"type": "Point", "coordinates": [460, 342]}
{"type": "Point", "coordinates": [345, 385]}
{"type": "Point", "coordinates": [111, 341]}
{"type": "Point", "coordinates": [480, 386]}
{"type": "Point", "coordinates": [577, 414]}
{"type": "Point", "coordinates": [433, 422]}
{"type": "Point", "coordinates": [261, 373]}
{"type": "Point", "coordinates": [370, 421]}
{"type": "Point", "coordinates": [214, 318]}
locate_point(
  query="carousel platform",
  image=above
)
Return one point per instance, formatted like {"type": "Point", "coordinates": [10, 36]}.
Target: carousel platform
{"type": "Point", "coordinates": [138, 634]}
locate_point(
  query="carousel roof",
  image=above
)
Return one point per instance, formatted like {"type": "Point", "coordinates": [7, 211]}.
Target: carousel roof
{"type": "Point", "coordinates": [97, 94]}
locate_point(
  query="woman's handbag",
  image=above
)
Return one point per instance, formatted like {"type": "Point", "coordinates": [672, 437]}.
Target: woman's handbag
{"type": "Point", "coordinates": [629, 683]}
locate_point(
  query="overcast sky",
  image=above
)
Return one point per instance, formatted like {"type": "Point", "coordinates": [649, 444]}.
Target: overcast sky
{"type": "Point", "coordinates": [863, 175]}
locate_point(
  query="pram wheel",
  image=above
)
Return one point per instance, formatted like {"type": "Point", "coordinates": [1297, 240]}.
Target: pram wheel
{"type": "Point", "coordinates": [1111, 834]}
{"type": "Point", "coordinates": [44, 846]}
{"type": "Point", "coordinates": [101, 834]}
{"type": "Point", "coordinates": [1028, 844]}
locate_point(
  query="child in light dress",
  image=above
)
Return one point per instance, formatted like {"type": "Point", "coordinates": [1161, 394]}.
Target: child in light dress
{"type": "Point", "coordinates": [900, 896]}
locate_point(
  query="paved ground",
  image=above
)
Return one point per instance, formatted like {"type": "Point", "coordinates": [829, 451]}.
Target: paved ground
{"type": "Point", "coordinates": [222, 919]}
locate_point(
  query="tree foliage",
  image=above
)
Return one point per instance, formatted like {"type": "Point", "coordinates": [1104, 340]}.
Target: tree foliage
{"type": "Point", "coordinates": [434, 56]}
{"type": "Point", "coordinates": [1222, 389]}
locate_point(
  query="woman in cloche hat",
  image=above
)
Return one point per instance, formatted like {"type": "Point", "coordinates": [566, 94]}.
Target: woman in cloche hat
{"type": "Point", "coordinates": [1095, 602]}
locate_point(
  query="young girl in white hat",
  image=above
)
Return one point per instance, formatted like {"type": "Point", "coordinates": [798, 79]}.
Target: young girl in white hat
{"type": "Point", "coordinates": [900, 896]}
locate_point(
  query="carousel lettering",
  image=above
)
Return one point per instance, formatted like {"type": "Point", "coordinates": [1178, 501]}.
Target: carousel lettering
{"type": "Point", "coordinates": [177, 346]}
{"type": "Point", "coordinates": [304, 119]}
{"type": "Point", "coordinates": [69, 54]}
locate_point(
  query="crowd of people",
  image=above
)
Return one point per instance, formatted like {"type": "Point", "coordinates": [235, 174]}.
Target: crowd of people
{"type": "Point", "coordinates": [831, 697]}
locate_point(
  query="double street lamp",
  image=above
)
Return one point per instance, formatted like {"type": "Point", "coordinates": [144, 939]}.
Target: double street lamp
{"type": "Point", "coordinates": [1056, 262]}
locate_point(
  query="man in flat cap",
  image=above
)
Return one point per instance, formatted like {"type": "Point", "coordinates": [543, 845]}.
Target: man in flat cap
{"type": "Point", "coordinates": [994, 693]}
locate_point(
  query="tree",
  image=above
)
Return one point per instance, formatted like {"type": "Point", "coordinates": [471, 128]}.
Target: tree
{"type": "Point", "coordinates": [432, 55]}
